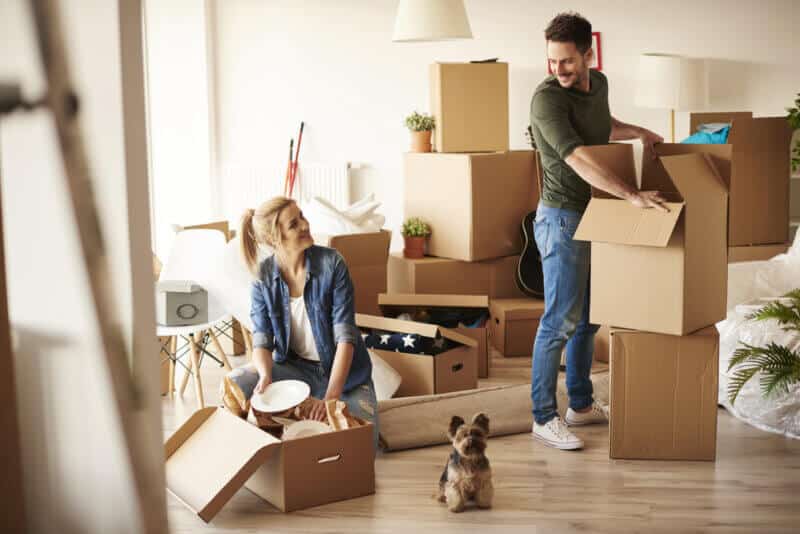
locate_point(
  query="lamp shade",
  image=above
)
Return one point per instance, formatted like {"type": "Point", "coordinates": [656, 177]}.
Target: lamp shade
{"type": "Point", "coordinates": [431, 20]}
{"type": "Point", "coordinates": [670, 82]}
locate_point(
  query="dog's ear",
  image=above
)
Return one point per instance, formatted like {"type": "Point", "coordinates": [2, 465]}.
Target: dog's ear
{"type": "Point", "coordinates": [455, 423]}
{"type": "Point", "coordinates": [481, 420]}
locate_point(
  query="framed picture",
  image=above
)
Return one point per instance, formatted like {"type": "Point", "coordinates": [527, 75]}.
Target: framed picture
{"type": "Point", "coordinates": [597, 62]}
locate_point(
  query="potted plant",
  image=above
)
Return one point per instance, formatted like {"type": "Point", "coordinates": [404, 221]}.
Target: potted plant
{"type": "Point", "coordinates": [415, 232]}
{"type": "Point", "coordinates": [794, 121]}
{"type": "Point", "coordinates": [421, 126]}
{"type": "Point", "coordinates": [778, 366]}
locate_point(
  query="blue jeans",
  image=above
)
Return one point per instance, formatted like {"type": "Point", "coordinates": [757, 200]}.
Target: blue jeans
{"type": "Point", "coordinates": [565, 266]}
{"type": "Point", "coordinates": [360, 400]}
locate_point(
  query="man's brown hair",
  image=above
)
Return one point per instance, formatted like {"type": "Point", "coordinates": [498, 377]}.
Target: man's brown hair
{"type": "Point", "coordinates": [570, 27]}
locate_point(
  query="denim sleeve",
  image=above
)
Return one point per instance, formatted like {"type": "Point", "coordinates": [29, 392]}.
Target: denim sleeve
{"type": "Point", "coordinates": [344, 323]}
{"type": "Point", "coordinates": [263, 337]}
{"type": "Point", "coordinates": [550, 115]}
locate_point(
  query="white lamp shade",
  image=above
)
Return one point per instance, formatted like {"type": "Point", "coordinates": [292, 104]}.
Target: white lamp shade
{"type": "Point", "coordinates": [670, 82]}
{"type": "Point", "coordinates": [431, 20]}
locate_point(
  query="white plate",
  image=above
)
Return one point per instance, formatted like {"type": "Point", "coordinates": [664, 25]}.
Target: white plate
{"type": "Point", "coordinates": [304, 429]}
{"type": "Point", "coordinates": [281, 396]}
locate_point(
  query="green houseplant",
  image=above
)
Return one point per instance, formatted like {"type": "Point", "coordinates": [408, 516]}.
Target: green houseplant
{"type": "Point", "coordinates": [415, 231]}
{"type": "Point", "coordinates": [794, 121]}
{"type": "Point", "coordinates": [779, 366]}
{"type": "Point", "coordinates": [421, 126]}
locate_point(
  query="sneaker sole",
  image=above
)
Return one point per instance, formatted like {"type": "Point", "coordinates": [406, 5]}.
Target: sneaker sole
{"type": "Point", "coordinates": [584, 423]}
{"type": "Point", "coordinates": [557, 445]}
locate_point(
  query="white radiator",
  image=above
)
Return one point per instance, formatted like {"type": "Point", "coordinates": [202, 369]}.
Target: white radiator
{"type": "Point", "coordinates": [329, 181]}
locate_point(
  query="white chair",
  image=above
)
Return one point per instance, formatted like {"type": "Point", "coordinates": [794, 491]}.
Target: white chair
{"type": "Point", "coordinates": [196, 255]}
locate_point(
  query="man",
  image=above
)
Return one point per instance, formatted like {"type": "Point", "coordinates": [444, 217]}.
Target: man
{"type": "Point", "coordinates": [569, 111]}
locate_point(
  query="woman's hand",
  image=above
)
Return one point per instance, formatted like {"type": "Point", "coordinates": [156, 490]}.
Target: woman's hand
{"type": "Point", "coordinates": [263, 381]}
{"type": "Point", "coordinates": [317, 411]}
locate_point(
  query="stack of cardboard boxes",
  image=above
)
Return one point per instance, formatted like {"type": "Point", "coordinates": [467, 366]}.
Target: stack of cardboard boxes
{"type": "Point", "coordinates": [661, 280]}
{"type": "Point", "coordinates": [474, 193]}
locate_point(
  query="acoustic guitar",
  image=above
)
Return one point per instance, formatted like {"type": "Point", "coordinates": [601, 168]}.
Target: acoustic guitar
{"type": "Point", "coordinates": [529, 275]}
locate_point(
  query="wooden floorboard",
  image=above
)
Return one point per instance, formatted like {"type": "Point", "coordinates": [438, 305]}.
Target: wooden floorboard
{"type": "Point", "coordinates": [754, 486]}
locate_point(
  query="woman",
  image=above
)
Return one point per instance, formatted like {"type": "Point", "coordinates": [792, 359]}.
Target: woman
{"type": "Point", "coordinates": [302, 307]}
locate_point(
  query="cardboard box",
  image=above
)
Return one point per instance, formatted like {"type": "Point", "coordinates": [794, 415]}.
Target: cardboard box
{"type": "Point", "coordinates": [393, 304]}
{"type": "Point", "coordinates": [366, 256]}
{"type": "Point", "coordinates": [163, 362]}
{"type": "Point", "coordinates": [756, 252]}
{"type": "Point", "coordinates": [655, 271]}
{"type": "Point", "coordinates": [474, 203]}
{"type": "Point", "coordinates": [513, 325]}
{"type": "Point", "coordinates": [664, 395]}
{"type": "Point", "coordinates": [214, 453]}
{"type": "Point", "coordinates": [430, 275]}
{"type": "Point", "coordinates": [470, 104]}
{"type": "Point", "coordinates": [452, 370]}
{"type": "Point", "coordinates": [755, 167]}
{"type": "Point", "coordinates": [794, 197]}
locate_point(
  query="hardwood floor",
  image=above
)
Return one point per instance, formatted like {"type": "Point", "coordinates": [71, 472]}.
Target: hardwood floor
{"type": "Point", "coordinates": [754, 486]}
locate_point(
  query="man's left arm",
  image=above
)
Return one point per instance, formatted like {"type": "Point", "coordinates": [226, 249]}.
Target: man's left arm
{"type": "Point", "coordinates": [621, 131]}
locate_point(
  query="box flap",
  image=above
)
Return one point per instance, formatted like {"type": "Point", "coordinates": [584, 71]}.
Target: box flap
{"type": "Point", "coordinates": [399, 300]}
{"type": "Point", "coordinates": [695, 176]}
{"type": "Point", "coordinates": [412, 327]}
{"type": "Point", "coordinates": [696, 119]}
{"type": "Point", "coordinates": [211, 456]}
{"type": "Point", "coordinates": [619, 221]}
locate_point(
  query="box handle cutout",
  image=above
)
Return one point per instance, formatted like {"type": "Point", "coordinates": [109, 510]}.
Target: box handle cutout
{"type": "Point", "coordinates": [329, 459]}
{"type": "Point", "coordinates": [497, 320]}
{"type": "Point", "coordinates": [457, 367]}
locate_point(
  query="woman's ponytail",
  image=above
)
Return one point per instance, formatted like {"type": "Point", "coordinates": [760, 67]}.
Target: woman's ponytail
{"type": "Point", "coordinates": [248, 243]}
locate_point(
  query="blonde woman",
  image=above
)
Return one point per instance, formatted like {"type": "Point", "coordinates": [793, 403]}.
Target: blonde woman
{"type": "Point", "coordinates": [302, 307]}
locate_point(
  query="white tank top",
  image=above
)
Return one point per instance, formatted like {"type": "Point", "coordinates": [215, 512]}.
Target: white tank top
{"type": "Point", "coordinates": [302, 338]}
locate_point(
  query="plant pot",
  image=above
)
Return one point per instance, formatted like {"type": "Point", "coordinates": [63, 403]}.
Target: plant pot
{"type": "Point", "coordinates": [414, 247]}
{"type": "Point", "coordinates": [421, 141]}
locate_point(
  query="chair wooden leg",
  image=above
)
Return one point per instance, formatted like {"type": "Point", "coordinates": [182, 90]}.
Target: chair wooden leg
{"type": "Point", "coordinates": [198, 384]}
{"type": "Point", "coordinates": [185, 378]}
{"type": "Point", "coordinates": [248, 342]}
{"type": "Point", "coordinates": [173, 347]}
{"type": "Point", "coordinates": [221, 352]}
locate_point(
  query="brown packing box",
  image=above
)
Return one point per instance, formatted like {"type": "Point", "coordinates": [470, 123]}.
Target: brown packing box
{"type": "Point", "coordinates": [452, 370]}
{"type": "Point", "coordinates": [664, 395]}
{"type": "Point", "coordinates": [366, 256]}
{"type": "Point", "coordinates": [214, 453]}
{"type": "Point", "coordinates": [470, 104]}
{"type": "Point", "coordinates": [393, 304]}
{"type": "Point", "coordinates": [655, 271]}
{"type": "Point", "coordinates": [474, 203]}
{"type": "Point", "coordinates": [513, 324]}
{"type": "Point", "coordinates": [756, 252]}
{"type": "Point", "coordinates": [495, 278]}
{"type": "Point", "coordinates": [755, 167]}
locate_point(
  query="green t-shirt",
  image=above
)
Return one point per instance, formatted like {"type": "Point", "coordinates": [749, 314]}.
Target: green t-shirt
{"type": "Point", "coordinates": [562, 120]}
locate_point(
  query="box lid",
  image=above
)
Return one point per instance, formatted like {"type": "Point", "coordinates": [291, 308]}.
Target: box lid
{"type": "Point", "coordinates": [178, 286]}
{"type": "Point", "coordinates": [618, 221]}
{"type": "Point", "coordinates": [409, 300]}
{"type": "Point", "coordinates": [517, 309]}
{"type": "Point", "coordinates": [211, 456]}
{"type": "Point", "coordinates": [412, 327]}
{"type": "Point", "coordinates": [370, 248]}
{"type": "Point", "coordinates": [695, 177]}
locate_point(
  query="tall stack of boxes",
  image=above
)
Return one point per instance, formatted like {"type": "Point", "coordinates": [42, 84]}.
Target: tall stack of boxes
{"type": "Point", "coordinates": [661, 280]}
{"type": "Point", "coordinates": [474, 193]}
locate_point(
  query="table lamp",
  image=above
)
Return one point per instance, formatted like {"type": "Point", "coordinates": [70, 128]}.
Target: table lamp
{"type": "Point", "coordinates": [431, 20]}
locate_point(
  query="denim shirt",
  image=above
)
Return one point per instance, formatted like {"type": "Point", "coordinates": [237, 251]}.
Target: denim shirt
{"type": "Point", "coordinates": [330, 304]}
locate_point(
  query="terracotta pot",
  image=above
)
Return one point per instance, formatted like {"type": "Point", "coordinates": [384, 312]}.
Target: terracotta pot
{"type": "Point", "coordinates": [421, 141]}
{"type": "Point", "coordinates": [414, 247]}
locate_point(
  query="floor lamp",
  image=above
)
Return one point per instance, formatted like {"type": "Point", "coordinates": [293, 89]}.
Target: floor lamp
{"type": "Point", "coordinates": [670, 82]}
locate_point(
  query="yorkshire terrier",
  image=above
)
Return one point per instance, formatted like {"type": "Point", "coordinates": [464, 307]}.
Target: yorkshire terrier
{"type": "Point", "coordinates": [467, 475]}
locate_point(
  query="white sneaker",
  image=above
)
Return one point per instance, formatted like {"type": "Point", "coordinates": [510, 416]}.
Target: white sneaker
{"type": "Point", "coordinates": [598, 414]}
{"type": "Point", "coordinates": [555, 433]}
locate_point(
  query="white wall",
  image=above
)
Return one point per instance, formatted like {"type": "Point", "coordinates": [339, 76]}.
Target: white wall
{"type": "Point", "coordinates": [76, 474]}
{"type": "Point", "coordinates": [333, 65]}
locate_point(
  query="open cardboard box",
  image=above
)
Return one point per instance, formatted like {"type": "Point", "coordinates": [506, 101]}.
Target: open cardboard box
{"type": "Point", "coordinates": [214, 453]}
{"type": "Point", "coordinates": [755, 167]}
{"type": "Point", "coordinates": [494, 278]}
{"type": "Point", "coordinates": [474, 203]}
{"type": "Point", "coordinates": [453, 370]}
{"type": "Point", "coordinates": [470, 104]}
{"type": "Point", "coordinates": [366, 256]}
{"type": "Point", "coordinates": [393, 304]}
{"type": "Point", "coordinates": [664, 395]}
{"type": "Point", "coordinates": [756, 252]}
{"type": "Point", "coordinates": [513, 325]}
{"type": "Point", "coordinates": [655, 271]}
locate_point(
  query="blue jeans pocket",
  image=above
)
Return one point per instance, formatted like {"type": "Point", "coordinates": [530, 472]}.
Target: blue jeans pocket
{"type": "Point", "coordinates": [541, 233]}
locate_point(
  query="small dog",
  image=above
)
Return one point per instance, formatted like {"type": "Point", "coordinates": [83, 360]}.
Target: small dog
{"type": "Point", "coordinates": [467, 475]}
